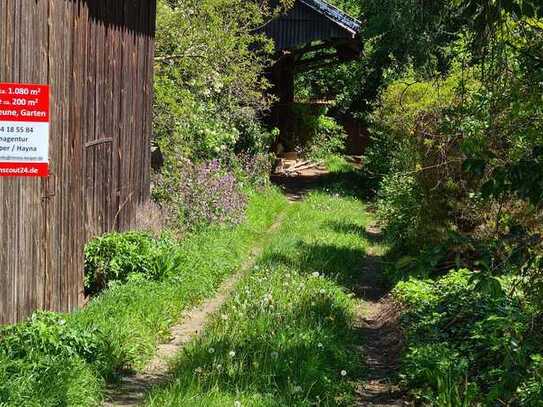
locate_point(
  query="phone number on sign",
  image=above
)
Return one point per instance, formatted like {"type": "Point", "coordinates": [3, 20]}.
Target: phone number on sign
{"type": "Point", "coordinates": [16, 129]}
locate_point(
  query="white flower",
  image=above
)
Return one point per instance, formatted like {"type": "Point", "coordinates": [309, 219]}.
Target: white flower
{"type": "Point", "coordinates": [232, 353]}
{"type": "Point", "coordinates": [297, 389]}
{"type": "Point", "coordinates": [237, 403]}
{"type": "Point", "coordinates": [211, 350]}
{"type": "Point", "coordinates": [322, 291]}
{"type": "Point", "coordinates": [224, 317]}
{"type": "Point", "coordinates": [315, 274]}
{"type": "Point", "coordinates": [343, 373]}
{"type": "Point", "coordinates": [274, 355]}
{"type": "Point", "coordinates": [320, 345]}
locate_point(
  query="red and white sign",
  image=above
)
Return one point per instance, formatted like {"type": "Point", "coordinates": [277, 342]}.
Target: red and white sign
{"type": "Point", "coordinates": [24, 130]}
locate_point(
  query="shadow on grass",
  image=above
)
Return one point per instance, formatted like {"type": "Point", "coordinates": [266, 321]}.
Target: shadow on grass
{"type": "Point", "coordinates": [341, 264]}
{"type": "Point", "coordinates": [373, 237]}
{"type": "Point", "coordinates": [353, 183]}
{"type": "Point", "coordinates": [353, 269]}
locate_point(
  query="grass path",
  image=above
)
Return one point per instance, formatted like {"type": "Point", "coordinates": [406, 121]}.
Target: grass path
{"type": "Point", "coordinates": [131, 390]}
{"type": "Point", "coordinates": [296, 331]}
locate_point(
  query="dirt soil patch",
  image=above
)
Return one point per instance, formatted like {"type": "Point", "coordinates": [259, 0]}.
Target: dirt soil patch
{"type": "Point", "coordinates": [379, 327]}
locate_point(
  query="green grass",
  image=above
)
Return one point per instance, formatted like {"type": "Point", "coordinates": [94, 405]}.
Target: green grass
{"type": "Point", "coordinates": [286, 338]}
{"type": "Point", "coordinates": [41, 365]}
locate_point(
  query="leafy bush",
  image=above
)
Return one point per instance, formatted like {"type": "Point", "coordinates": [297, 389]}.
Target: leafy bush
{"type": "Point", "coordinates": [328, 138]}
{"type": "Point", "coordinates": [48, 362]}
{"type": "Point", "coordinates": [467, 345]}
{"type": "Point", "coordinates": [209, 88]}
{"type": "Point", "coordinates": [400, 208]}
{"type": "Point", "coordinates": [116, 256]}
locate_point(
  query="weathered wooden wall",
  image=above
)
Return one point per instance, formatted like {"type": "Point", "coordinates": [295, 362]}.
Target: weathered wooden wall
{"type": "Point", "coordinates": [97, 57]}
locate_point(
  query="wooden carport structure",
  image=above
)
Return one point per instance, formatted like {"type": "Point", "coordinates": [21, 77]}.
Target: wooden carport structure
{"type": "Point", "coordinates": [310, 35]}
{"type": "Point", "coordinates": [97, 58]}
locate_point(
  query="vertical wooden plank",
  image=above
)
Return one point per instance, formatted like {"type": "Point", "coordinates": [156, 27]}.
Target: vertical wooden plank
{"type": "Point", "coordinates": [6, 305]}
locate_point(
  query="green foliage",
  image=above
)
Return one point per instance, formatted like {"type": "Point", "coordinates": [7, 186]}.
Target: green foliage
{"type": "Point", "coordinates": [328, 138]}
{"type": "Point", "coordinates": [466, 344]}
{"type": "Point", "coordinates": [209, 87]}
{"type": "Point", "coordinates": [48, 362]}
{"type": "Point", "coordinates": [117, 256]}
{"type": "Point", "coordinates": [63, 360]}
{"type": "Point", "coordinates": [416, 160]}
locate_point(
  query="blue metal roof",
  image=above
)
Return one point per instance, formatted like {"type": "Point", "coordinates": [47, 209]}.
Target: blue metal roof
{"type": "Point", "coordinates": [335, 14]}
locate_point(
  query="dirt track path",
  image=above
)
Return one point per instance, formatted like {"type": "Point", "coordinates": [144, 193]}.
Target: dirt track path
{"type": "Point", "coordinates": [377, 319]}
{"type": "Point", "coordinates": [132, 390]}
{"type": "Point", "coordinates": [378, 324]}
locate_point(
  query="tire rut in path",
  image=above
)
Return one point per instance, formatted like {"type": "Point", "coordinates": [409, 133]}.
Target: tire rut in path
{"type": "Point", "coordinates": [378, 325]}
{"type": "Point", "coordinates": [132, 390]}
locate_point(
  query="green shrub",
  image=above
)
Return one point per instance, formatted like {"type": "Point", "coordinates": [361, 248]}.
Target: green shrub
{"type": "Point", "coordinates": [115, 256]}
{"type": "Point", "coordinates": [439, 375]}
{"type": "Point", "coordinates": [400, 208]}
{"type": "Point", "coordinates": [49, 362]}
{"type": "Point", "coordinates": [328, 138]}
{"type": "Point", "coordinates": [208, 99]}
{"type": "Point", "coordinates": [467, 344]}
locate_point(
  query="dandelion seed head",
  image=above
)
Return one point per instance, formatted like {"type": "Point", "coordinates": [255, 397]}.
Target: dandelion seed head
{"type": "Point", "coordinates": [343, 373]}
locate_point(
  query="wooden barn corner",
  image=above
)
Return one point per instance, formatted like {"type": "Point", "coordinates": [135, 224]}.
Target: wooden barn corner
{"type": "Point", "coordinates": [96, 56]}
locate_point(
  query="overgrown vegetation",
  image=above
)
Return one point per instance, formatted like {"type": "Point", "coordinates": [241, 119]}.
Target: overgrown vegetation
{"type": "Point", "coordinates": [456, 141]}
{"type": "Point", "coordinates": [286, 337]}
{"type": "Point", "coordinates": [54, 360]}
{"type": "Point", "coordinates": [210, 94]}
{"type": "Point", "coordinates": [452, 94]}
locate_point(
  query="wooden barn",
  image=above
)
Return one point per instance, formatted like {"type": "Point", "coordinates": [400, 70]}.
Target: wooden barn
{"type": "Point", "coordinates": [96, 57]}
